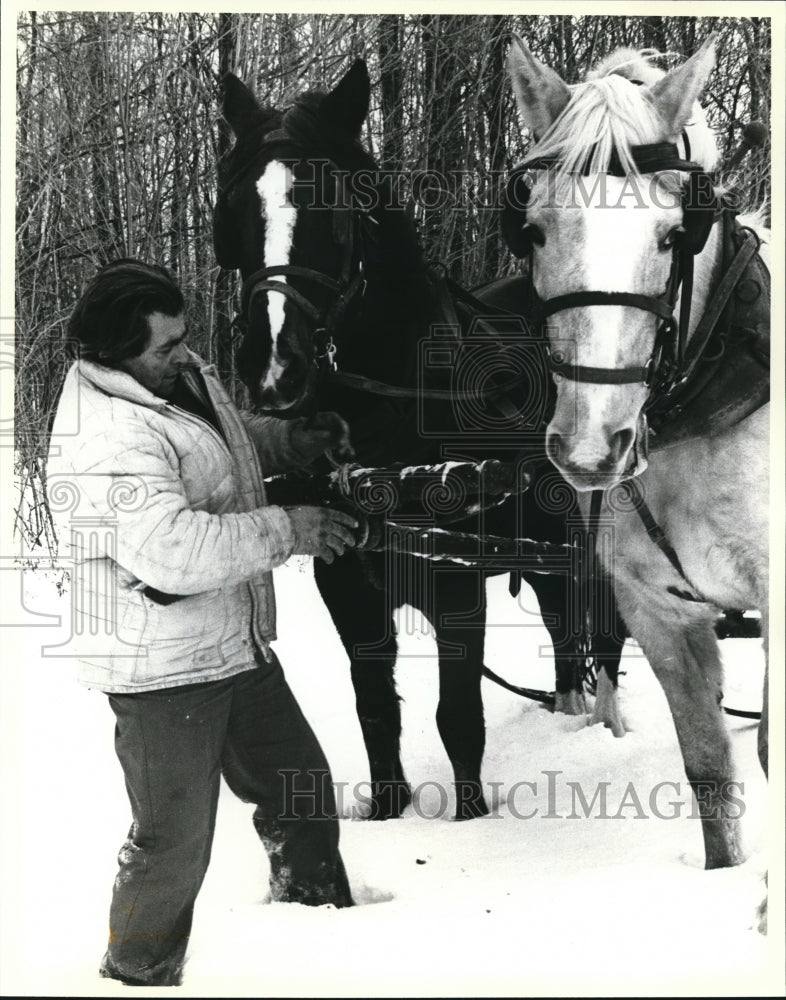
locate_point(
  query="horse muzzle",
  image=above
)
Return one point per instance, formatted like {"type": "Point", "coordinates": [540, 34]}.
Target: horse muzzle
{"type": "Point", "coordinates": [284, 398]}
{"type": "Point", "coordinates": [599, 463]}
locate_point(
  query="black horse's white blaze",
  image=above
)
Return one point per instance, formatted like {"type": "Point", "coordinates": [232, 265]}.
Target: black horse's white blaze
{"type": "Point", "coordinates": [278, 215]}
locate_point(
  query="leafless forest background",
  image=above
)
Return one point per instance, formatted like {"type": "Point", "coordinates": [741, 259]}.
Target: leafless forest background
{"type": "Point", "coordinates": [118, 136]}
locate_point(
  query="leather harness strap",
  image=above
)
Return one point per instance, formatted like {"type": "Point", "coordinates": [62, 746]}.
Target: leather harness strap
{"type": "Point", "coordinates": [720, 296]}
{"type": "Point", "coordinates": [658, 536]}
{"type": "Point", "coordinates": [364, 384]}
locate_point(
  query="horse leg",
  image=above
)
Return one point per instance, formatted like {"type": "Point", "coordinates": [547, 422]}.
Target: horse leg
{"type": "Point", "coordinates": [763, 736]}
{"type": "Point", "coordinates": [458, 613]}
{"type": "Point", "coordinates": [363, 618]}
{"type": "Point", "coordinates": [608, 640]}
{"type": "Point", "coordinates": [553, 592]}
{"type": "Point", "coordinates": [545, 514]}
{"type": "Point", "coordinates": [683, 651]}
{"type": "Point", "coordinates": [763, 740]}
{"type": "Point", "coordinates": [606, 710]}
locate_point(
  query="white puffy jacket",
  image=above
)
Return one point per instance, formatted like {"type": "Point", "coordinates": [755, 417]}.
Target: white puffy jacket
{"type": "Point", "coordinates": [165, 527]}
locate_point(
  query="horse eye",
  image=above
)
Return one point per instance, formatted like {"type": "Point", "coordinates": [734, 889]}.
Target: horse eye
{"type": "Point", "coordinates": [533, 233]}
{"type": "Point", "coordinates": [671, 238]}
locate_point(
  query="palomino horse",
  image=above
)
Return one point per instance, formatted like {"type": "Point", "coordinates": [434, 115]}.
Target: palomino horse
{"type": "Point", "coordinates": [332, 273]}
{"type": "Point", "coordinates": [616, 205]}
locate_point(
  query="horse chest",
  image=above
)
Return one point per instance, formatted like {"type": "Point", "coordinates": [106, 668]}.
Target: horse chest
{"type": "Point", "coordinates": [715, 522]}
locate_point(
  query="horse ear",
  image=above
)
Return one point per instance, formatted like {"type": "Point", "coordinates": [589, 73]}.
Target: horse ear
{"type": "Point", "coordinates": [238, 104]}
{"type": "Point", "coordinates": [675, 93]}
{"type": "Point", "coordinates": [346, 106]}
{"type": "Point", "coordinates": [541, 94]}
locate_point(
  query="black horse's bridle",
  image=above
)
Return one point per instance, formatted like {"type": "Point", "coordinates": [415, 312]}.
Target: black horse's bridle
{"type": "Point", "coordinates": [665, 367]}
{"type": "Point", "coordinates": [352, 226]}
{"type": "Point", "coordinates": [325, 321]}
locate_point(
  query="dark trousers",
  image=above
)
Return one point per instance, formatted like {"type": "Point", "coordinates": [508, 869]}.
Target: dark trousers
{"type": "Point", "coordinates": [174, 744]}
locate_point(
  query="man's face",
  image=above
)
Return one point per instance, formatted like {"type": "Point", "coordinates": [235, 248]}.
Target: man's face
{"type": "Point", "coordinates": [157, 367]}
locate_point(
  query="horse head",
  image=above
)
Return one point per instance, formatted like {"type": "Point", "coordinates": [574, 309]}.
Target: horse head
{"type": "Point", "coordinates": [282, 218]}
{"type": "Point", "coordinates": [602, 208]}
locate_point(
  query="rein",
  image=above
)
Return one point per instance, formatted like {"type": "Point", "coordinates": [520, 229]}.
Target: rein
{"type": "Point", "coordinates": [362, 383]}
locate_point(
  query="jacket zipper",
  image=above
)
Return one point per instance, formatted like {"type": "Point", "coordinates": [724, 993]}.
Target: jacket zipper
{"type": "Point", "coordinates": [203, 423]}
{"type": "Point", "coordinates": [256, 629]}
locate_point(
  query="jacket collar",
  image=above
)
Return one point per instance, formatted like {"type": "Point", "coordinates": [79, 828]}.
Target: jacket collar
{"type": "Point", "coordinates": [118, 383]}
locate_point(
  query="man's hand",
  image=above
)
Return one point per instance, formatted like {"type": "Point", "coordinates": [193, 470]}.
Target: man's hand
{"type": "Point", "coordinates": [321, 531]}
{"type": "Point", "coordinates": [313, 436]}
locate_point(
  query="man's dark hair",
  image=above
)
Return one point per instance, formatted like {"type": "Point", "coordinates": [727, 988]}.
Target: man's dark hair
{"type": "Point", "coordinates": [109, 323]}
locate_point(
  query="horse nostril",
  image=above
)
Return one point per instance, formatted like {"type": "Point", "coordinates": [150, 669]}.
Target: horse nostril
{"type": "Point", "coordinates": [620, 442]}
{"type": "Point", "coordinates": [294, 374]}
{"type": "Point", "coordinates": [555, 446]}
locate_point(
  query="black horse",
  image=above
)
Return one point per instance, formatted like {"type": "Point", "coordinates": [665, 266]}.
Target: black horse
{"type": "Point", "coordinates": [332, 274]}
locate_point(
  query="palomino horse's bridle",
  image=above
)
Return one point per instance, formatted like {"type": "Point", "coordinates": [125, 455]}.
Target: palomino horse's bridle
{"type": "Point", "coordinates": [671, 363]}
{"type": "Point", "coordinates": [665, 367]}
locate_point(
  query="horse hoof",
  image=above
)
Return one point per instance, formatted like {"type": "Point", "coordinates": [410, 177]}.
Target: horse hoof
{"type": "Point", "coordinates": [761, 916]}
{"type": "Point", "coordinates": [471, 811]}
{"type": "Point", "coordinates": [614, 723]}
{"type": "Point", "coordinates": [570, 703]}
{"type": "Point", "coordinates": [470, 803]}
{"type": "Point", "coordinates": [389, 800]}
{"type": "Point", "coordinates": [761, 910]}
{"type": "Point", "coordinates": [607, 711]}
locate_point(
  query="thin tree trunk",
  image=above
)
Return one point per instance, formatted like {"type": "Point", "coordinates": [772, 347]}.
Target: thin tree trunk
{"type": "Point", "coordinates": [390, 26]}
{"type": "Point", "coordinates": [223, 353]}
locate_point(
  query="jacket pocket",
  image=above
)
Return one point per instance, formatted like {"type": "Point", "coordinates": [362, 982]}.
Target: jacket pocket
{"type": "Point", "coordinates": [159, 597]}
{"type": "Point", "coordinates": [171, 618]}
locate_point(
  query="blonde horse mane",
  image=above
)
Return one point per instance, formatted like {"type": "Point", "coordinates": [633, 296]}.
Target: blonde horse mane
{"type": "Point", "coordinates": [607, 114]}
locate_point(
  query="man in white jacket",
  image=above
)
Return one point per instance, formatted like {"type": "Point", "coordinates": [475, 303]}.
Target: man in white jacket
{"type": "Point", "coordinates": [172, 547]}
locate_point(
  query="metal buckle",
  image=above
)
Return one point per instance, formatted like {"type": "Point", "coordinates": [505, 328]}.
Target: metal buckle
{"type": "Point", "coordinates": [326, 353]}
{"type": "Point", "coordinates": [330, 353]}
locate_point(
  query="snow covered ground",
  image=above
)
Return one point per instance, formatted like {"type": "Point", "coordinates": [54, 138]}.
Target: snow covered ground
{"type": "Point", "coordinates": [556, 904]}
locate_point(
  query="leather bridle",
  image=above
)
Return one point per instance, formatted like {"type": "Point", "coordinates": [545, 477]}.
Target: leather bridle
{"type": "Point", "coordinates": [352, 226]}
{"type": "Point", "coordinates": [325, 321]}
{"type": "Point", "coordinates": [665, 368]}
